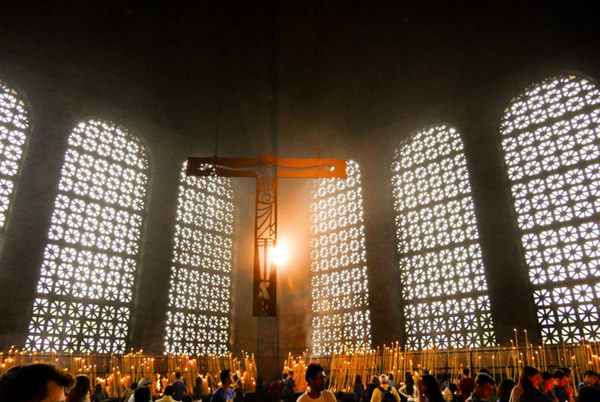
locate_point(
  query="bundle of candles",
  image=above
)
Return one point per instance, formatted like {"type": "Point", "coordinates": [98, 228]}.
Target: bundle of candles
{"type": "Point", "coordinates": [116, 373]}
{"type": "Point", "coordinates": [501, 361]}
{"type": "Point", "coordinates": [297, 365]}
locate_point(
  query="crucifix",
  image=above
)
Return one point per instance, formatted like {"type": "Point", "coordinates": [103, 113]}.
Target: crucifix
{"type": "Point", "coordinates": [267, 170]}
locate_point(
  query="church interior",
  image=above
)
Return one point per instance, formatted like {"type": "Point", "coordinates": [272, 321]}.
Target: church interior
{"type": "Point", "coordinates": [264, 186]}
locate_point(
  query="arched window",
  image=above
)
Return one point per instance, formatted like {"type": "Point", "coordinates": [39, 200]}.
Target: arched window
{"type": "Point", "coordinates": [551, 141]}
{"type": "Point", "coordinates": [87, 278]}
{"type": "Point", "coordinates": [443, 280]}
{"type": "Point", "coordinates": [340, 295]}
{"type": "Point", "coordinates": [200, 283]}
{"type": "Point", "coordinates": [14, 129]}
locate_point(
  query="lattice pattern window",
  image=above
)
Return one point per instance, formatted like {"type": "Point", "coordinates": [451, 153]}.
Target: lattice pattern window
{"type": "Point", "coordinates": [200, 283]}
{"type": "Point", "coordinates": [14, 128]}
{"type": "Point", "coordinates": [87, 277]}
{"type": "Point", "coordinates": [551, 139]}
{"type": "Point", "coordinates": [340, 294]}
{"type": "Point", "coordinates": [444, 285]}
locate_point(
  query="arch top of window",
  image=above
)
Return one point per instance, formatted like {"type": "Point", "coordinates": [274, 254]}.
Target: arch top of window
{"type": "Point", "coordinates": [428, 143]}
{"type": "Point", "coordinates": [106, 139]}
{"type": "Point", "coordinates": [15, 127]}
{"type": "Point", "coordinates": [540, 103]}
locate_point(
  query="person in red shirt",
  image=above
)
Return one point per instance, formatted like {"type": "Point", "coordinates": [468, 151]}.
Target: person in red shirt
{"type": "Point", "coordinates": [466, 384]}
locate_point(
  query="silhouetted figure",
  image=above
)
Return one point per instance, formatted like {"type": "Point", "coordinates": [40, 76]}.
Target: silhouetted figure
{"type": "Point", "coordinates": [528, 388]}
{"type": "Point", "coordinates": [34, 383]}
{"type": "Point", "coordinates": [81, 391]}
{"type": "Point", "coordinates": [429, 389]}
{"type": "Point", "coordinates": [224, 393]}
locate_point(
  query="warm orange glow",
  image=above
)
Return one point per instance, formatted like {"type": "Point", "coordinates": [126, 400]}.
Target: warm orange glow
{"type": "Point", "coordinates": [280, 254]}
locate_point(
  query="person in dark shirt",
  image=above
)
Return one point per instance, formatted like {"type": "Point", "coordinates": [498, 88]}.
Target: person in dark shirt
{"type": "Point", "coordinates": [371, 387]}
{"type": "Point", "coordinates": [504, 390]}
{"type": "Point", "coordinates": [359, 389]}
{"type": "Point", "coordinates": [590, 379]}
{"type": "Point", "coordinates": [588, 394]}
{"type": "Point", "coordinates": [179, 386]}
{"type": "Point", "coordinates": [224, 393]}
{"type": "Point", "coordinates": [466, 384]}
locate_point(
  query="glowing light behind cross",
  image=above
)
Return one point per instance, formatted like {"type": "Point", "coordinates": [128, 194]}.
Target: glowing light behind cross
{"type": "Point", "coordinates": [551, 139]}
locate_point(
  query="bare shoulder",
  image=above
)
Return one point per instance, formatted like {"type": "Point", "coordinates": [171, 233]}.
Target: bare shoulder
{"type": "Point", "coordinates": [328, 396]}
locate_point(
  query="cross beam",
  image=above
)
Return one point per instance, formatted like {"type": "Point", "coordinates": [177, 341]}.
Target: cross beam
{"type": "Point", "coordinates": [266, 169]}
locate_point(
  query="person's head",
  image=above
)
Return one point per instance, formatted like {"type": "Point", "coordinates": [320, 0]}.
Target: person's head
{"type": "Point", "coordinates": [98, 387]}
{"type": "Point", "coordinates": [505, 388]}
{"type": "Point", "coordinates": [315, 377]}
{"type": "Point", "coordinates": [133, 386]}
{"type": "Point", "coordinates": [144, 383]}
{"type": "Point", "coordinates": [485, 386]}
{"type": "Point", "coordinates": [142, 394]}
{"type": "Point", "coordinates": [548, 381]}
{"type": "Point", "coordinates": [225, 378]}
{"type": "Point", "coordinates": [408, 378]}
{"type": "Point", "coordinates": [169, 390]}
{"type": "Point", "coordinates": [453, 388]}
{"type": "Point", "coordinates": [178, 375]}
{"type": "Point", "coordinates": [34, 383]}
{"type": "Point", "coordinates": [591, 378]}
{"type": "Point", "coordinates": [391, 375]}
{"type": "Point", "coordinates": [80, 390]}
{"type": "Point", "coordinates": [429, 387]}
{"type": "Point", "coordinates": [375, 380]}
{"type": "Point", "coordinates": [284, 376]}
{"type": "Point", "coordinates": [562, 378]}
{"type": "Point", "coordinates": [384, 379]}
{"type": "Point", "coordinates": [291, 374]}
{"type": "Point", "coordinates": [530, 378]}
{"type": "Point", "coordinates": [358, 379]}
{"type": "Point", "coordinates": [466, 372]}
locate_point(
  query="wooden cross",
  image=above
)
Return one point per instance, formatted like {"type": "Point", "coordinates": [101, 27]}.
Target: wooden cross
{"type": "Point", "coordinates": [266, 169]}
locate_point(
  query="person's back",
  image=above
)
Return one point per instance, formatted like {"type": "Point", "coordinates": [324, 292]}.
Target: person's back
{"type": "Point", "coordinates": [466, 384]}
{"type": "Point", "coordinates": [179, 388]}
{"type": "Point", "coordinates": [99, 394]}
{"type": "Point", "coordinates": [168, 394]}
{"type": "Point", "coordinates": [385, 392]}
{"type": "Point", "coordinates": [225, 392]}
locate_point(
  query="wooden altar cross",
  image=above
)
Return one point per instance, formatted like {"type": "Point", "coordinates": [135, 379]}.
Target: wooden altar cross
{"type": "Point", "coordinates": [266, 169]}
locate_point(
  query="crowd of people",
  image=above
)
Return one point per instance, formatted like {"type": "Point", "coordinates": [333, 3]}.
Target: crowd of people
{"type": "Point", "coordinates": [41, 382]}
{"type": "Point", "coordinates": [532, 386]}
{"type": "Point", "coordinates": [46, 383]}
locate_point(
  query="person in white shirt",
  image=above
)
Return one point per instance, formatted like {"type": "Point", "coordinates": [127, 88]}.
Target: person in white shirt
{"type": "Point", "coordinates": [316, 379]}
